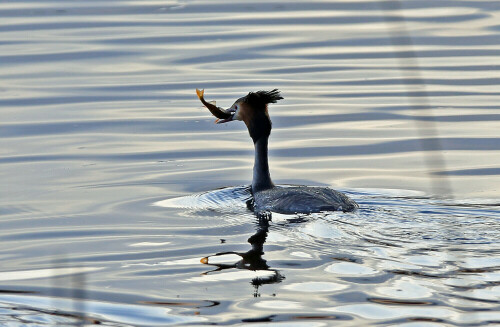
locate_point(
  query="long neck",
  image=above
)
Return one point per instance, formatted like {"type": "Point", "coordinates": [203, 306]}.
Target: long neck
{"type": "Point", "coordinates": [261, 177]}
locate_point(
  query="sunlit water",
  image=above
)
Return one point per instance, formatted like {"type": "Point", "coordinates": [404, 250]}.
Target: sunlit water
{"type": "Point", "coordinates": [123, 204]}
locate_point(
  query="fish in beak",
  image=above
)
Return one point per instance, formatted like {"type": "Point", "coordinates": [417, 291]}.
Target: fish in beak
{"type": "Point", "coordinates": [223, 115]}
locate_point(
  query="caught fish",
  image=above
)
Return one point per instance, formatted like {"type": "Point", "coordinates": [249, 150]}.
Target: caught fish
{"type": "Point", "coordinates": [216, 111]}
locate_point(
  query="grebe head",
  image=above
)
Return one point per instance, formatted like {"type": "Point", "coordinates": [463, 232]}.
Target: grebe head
{"type": "Point", "coordinates": [252, 110]}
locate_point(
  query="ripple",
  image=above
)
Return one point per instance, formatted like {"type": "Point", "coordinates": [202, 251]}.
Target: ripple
{"type": "Point", "coordinates": [407, 290]}
{"type": "Point", "coordinates": [350, 269]}
{"type": "Point", "coordinates": [376, 311]}
{"type": "Point", "coordinates": [109, 312]}
{"type": "Point", "coordinates": [315, 287]}
{"type": "Point", "coordinates": [277, 304]}
{"type": "Point", "coordinates": [471, 172]}
{"type": "Point", "coordinates": [61, 56]}
{"type": "Point", "coordinates": [382, 147]}
{"type": "Point", "coordinates": [44, 273]}
{"type": "Point", "coordinates": [230, 197]}
{"type": "Point", "coordinates": [111, 166]}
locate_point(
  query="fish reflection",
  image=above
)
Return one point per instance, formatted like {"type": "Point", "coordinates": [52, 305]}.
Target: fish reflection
{"type": "Point", "coordinates": [250, 260]}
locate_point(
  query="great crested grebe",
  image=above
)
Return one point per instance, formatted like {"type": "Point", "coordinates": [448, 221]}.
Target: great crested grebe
{"type": "Point", "coordinates": [252, 110]}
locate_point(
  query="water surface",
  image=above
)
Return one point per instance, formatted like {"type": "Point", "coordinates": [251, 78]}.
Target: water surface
{"type": "Point", "coordinates": [123, 204]}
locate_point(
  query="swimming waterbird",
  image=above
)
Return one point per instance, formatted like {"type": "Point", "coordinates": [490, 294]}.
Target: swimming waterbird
{"type": "Point", "coordinates": [252, 109]}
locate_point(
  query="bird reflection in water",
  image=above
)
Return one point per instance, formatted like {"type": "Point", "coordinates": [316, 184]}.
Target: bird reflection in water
{"type": "Point", "coordinates": [250, 260]}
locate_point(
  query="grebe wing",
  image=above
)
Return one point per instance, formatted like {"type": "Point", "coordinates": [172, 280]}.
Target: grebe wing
{"type": "Point", "coordinates": [302, 199]}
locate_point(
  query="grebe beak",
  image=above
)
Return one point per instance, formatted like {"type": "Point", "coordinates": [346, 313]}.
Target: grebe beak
{"type": "Point", "coordinates": [232, 112]}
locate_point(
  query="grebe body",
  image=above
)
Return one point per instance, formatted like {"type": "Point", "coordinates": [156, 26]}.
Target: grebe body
{"type": "Point", "coordinates": [302, 199]}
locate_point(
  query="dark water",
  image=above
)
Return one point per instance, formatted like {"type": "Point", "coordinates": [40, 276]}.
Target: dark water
{"type": "Point", "coordinates": [123, 204]}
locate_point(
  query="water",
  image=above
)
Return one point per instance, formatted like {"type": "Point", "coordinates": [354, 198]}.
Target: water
{"type": "Point", "coordinates": [123, 204]}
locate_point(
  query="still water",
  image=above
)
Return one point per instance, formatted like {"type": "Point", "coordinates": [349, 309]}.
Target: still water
{"type": "Point", "coordinates": [123, 204]}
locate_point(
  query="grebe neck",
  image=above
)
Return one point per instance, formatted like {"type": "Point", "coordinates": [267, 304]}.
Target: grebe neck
{"type": "Point", "coordinates": [261, 177]}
